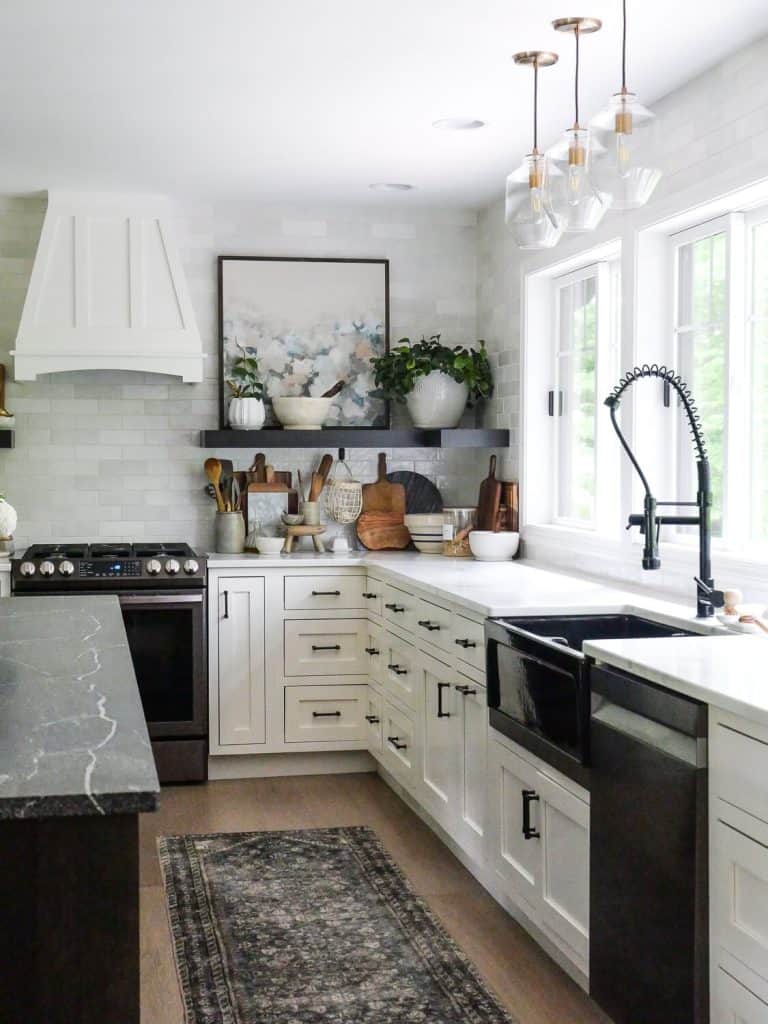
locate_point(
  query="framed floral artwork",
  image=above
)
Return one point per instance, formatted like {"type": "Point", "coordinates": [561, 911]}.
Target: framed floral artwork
{"type": "Point", "coordinates": [310, 322]}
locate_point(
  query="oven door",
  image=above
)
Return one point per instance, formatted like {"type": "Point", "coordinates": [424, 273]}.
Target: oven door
{"type": "Point", "coordinates": [167, 639]}
{"type": "Point", "coordinates": [538, 696]}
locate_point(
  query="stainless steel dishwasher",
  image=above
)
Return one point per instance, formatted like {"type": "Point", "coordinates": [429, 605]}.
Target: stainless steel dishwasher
{"type": "Point", "coordinates": [648, 852]}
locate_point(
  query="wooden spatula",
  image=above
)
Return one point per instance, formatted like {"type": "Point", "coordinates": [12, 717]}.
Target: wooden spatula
{"type": "Point", "coordinates": [489, 500]}
{"type": "Point", "coordinates": [213, 472]}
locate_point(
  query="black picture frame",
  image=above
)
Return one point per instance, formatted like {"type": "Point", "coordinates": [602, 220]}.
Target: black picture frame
{"type": "Point", "coordinates": [223, 259]}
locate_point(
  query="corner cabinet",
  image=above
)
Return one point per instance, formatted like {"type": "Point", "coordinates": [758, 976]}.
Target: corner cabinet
{"type": "Point", "coordinates": [334, 659]}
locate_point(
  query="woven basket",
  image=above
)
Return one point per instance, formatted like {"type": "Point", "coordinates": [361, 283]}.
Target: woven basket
{"type": "Point", "coordinates": [343, 497]}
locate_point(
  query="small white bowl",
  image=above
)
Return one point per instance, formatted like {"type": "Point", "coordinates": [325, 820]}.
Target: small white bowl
{"type": "Point", "coordinates": [270, 545]}
{"type": "Point", "coordinates": [429, 547]}
{"type": "Point", "coordinates": [302, 413]}
{"type": "Point", "coordinates": [487, 546]}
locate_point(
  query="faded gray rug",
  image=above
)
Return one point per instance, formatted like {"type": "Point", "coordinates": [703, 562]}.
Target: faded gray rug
{"type": "Point", "coordinates": [311, 927]}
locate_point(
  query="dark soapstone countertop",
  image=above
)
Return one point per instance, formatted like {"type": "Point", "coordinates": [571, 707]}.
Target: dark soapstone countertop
{"type": "Point", "coordinates": [73, 738]}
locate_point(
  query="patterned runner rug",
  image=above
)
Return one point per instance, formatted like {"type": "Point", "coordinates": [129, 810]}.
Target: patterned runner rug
{"type": "Point", "coordinates": [311, 927]}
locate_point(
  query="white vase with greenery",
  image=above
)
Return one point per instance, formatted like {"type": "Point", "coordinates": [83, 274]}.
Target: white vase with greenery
{"type": "Point", "coordinates": [246, 407]}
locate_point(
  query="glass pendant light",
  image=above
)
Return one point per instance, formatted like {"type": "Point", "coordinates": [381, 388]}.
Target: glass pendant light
{"type": "Point", "coordinates": [580, 203]}
{"type": "Point", "coordinates": [623, 171]}
{"type": "Point", "coordinates": [528, 207]}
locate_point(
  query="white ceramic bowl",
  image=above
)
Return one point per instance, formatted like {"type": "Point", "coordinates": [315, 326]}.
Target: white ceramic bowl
{"type": "Point", "coordinates": [302, 413]}
{"type": "Point", "coordinates": [419, 522]}
{"type": "Point", "coordinates": [487, 546]}
{"type": "Point", "coordinates": [429, 547]}
{"type": "Point", "coordinates": [270, 545]}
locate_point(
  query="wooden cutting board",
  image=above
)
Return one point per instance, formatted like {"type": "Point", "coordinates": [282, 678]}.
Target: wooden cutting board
{"type": "Point", "coordinates": [382, 531]}
{"type": "Point", "coordinates": [421, 495]}
{"type": "Point", "coordinates": [384, 496]}
{"type": "Point", "coordinates": [489, 500]}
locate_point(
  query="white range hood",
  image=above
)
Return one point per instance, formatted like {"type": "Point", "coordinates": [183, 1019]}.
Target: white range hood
{"type": "Point", "coordinates": [107, 292]}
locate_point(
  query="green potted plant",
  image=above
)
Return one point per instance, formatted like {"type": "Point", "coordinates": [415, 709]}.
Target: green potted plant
{"type": "Point", "coordinates": [246, 407]}
{"type": "Point", "coordinates": [434, 381]}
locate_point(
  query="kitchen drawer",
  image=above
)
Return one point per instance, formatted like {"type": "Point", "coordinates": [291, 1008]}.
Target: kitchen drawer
{"type": "Point", "coordinates": [398, 734]}
{"type": "Point", "coordinates": [326, 647]}
{"type": "Point", "coordinates": [739, 764]}
{"type": "Point", "coordinates": [732, 1003]}
{"type": "Point", "coordinates": [434, 624]}
{"type": "Point", "coordinates": [376, 651]}
{"type": "Point", "coordinates": [374, 715]}
{"type": "Point", "coordinates": [324, 592]}
{"type": "Point", "coordinates": [373, 596]}
{"type": "Point", "coordinates": [469, 641]}
{"type": "Point", "coordinates": [325, 714]}
{"type": "Point", "coordinates": [400, 672]}
{"type": "Point", "coordinates": [399, 607]}
{"type": "Point", "coordinates": [739, 887]}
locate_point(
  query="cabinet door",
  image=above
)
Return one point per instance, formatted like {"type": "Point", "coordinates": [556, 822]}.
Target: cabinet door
{"type": "Point", "coordinates": [441, 755]}
{"type": "Point", "coordinates": [374, 713]}
{"type": "Point", "coordinates": [473, 747]}
{"type": "Point", "coordinates": [565, 868]}
{"type": "Point", "coordinates": [515, 853]}
{"type": "Point", "coordinates": [399, 753]}
{"type": "Point", "coordinates": [376, 654]}
{"type": "Point", "coordinates": [241, 676]}
{"type": "Point", "coordinates": [734, 1004]}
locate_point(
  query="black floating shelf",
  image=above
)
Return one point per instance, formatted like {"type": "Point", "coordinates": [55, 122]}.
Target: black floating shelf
{"type": "Point", "coordinates": [7, 438]}
{"type": "Point", "coordinates": [340, 437]}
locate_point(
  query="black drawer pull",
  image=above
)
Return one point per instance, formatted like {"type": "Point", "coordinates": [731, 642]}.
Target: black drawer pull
{"type": "Point", "coordinates": [372, 719]}
{"type": "Point", "coordinates": [466, 691]}
{"type": "Point", "coordinates": [373, 651]}
{"type": "Point", "coordinates": [370, 597]}
{"type": "Point", "coordinates": [395, 741]}
{"type": "Point", "coordinates": [529, 796]}
{"type": "Point", "coordinates": [395, 607]}
{"type": "Point", "coordinates": [440, 712]}
{"type": "Point", "coordinates": [326, 593]}
{"type": "Point", "coordinates": [326, 647]}
{"type": "Point", "coordinates": [226, 604]}
{"type": "Point", "coordinates": [431, 626]}
{"type": "Point", "coordinates": [397, 670]}
{"type": "Point", "coordinates": [466, 643]}
{"type": "Point", "coordinates": [326, 714]}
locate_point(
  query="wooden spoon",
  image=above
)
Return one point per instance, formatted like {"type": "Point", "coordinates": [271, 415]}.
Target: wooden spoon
{"type": "Point", "coordinates": [213, 472]}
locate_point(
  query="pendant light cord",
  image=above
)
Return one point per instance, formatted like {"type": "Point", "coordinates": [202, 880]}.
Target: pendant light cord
{"type": "Point", "coordinates": [536, 105]}
{"type": "Point", "coordinates": [576, 79]}
{"type": "Point", "coordinates": [624, 47]}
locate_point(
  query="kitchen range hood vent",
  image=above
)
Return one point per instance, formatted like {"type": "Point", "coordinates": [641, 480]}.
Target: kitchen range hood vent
{"type": "Point", "coordinates": [107, 292]}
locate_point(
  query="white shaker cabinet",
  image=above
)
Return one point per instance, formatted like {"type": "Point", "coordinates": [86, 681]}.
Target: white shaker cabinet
{"type": "Point", "coordinates": [440, 742]}
{"type": "Point", "coordinates": [538, 835]}
{"type": "Point", "coordinates": [733, 1003]}
{"type": "Point", "coordinates": [472, 728]}
{"type": "Point", "coordinates": [239, 640]}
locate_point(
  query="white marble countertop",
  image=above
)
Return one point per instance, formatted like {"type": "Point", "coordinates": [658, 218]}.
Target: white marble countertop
{"type": "Point", "coordinates": [725, 670]}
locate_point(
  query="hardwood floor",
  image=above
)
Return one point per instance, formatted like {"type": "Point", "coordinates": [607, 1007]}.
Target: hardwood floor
{"type": "Point", "coordinates": [530, 985]}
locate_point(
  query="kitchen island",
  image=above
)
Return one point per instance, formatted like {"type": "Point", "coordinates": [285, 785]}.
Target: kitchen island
{"type": "Point", "coordinates": [76, 769]}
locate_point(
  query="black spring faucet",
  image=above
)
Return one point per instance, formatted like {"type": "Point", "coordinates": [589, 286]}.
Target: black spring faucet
{"type": "Point", "coordinates": [649, 521]}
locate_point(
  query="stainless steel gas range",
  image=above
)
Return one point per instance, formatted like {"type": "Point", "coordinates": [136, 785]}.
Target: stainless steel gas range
{"type": "Point", "coordinates": [161, 589]}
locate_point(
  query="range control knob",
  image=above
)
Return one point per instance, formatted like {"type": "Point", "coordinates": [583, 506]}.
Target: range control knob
{"type": "Point", "coordinates": [172, 566]}
{"type": "Point", "coordinates": [191, 567]}
{"type": "Point", "coordinates": [27, 568]}
{"type": "Point", "coordinates": [66, 568]}
{"type": "Point", "coordinates": [153, 567]}
{"type": "Point", "coordinates": [47, 568]}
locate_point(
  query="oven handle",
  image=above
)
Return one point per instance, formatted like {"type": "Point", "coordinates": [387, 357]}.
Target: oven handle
{"type": "Point", "coordinates": [161, 598]}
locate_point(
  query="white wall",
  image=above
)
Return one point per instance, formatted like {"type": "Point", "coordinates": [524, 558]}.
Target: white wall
{"type": "Point", "coordinates": [710, 138]}
{"type": "Point", "coordinates": [115, 455]}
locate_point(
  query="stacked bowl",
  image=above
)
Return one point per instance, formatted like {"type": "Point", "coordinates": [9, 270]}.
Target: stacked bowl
{"type": "Point", "coordinates": [426, 530]}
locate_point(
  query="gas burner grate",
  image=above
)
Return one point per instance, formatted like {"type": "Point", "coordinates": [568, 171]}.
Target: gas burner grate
{"type": "Point", "coordinates": [110, 551]}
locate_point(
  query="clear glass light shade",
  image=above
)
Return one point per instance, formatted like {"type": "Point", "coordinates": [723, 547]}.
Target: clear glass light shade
{"type": "Point", "coordinates": [624, 130]}
{"type": "Point", "coordinates": [576, 198]}
{"type": "Point", "coordinates": [528, 208]}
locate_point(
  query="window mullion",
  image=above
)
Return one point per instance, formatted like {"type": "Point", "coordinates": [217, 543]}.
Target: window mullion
{"type": "Point", "coordinates": [736, 512]}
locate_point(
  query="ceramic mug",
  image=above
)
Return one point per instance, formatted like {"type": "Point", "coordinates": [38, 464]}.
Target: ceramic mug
{"type": "Point", "coordinates": [311, 512]}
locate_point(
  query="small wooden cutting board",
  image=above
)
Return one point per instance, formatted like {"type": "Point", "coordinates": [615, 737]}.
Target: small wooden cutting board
{"type": "Point", "coordinates": [384, 496]}
{"type": "Point", "coordinates": [382, 531]}
{"type": "Point", "coordinates": [488, 500]}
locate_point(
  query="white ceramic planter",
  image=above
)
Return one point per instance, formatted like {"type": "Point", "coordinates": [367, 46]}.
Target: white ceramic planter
{"type": "Point", "coordinates": [8, 520]}
{"type": "Point", "coordinates": [246, 413]}
{"type": "Point", "coordinates": [437, 401]}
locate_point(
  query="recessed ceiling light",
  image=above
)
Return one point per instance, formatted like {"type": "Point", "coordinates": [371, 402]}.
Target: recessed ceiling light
{"type": "Point", "coordinates": [458, 124]}
{"type": "Point", "coordinates": [391, 186]}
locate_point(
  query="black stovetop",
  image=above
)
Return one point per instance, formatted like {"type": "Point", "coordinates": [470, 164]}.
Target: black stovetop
{"type": "Point", "coordinates": [148, 549]}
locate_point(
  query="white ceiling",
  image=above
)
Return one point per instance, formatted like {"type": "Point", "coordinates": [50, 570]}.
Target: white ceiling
{"type": "Point", "coordinates": [309, 101]}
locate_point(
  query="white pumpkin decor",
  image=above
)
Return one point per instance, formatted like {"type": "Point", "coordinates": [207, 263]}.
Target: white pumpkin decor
{"type": "Point", "coordinates": [8, 519]}
{"type": "Point", "coordinates": [246, 413]}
